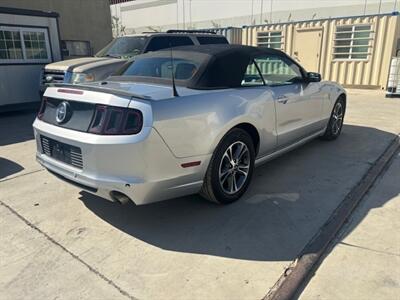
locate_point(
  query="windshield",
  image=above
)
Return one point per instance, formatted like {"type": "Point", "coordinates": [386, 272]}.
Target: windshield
{"type": "Point", "coordinates": [160, 67]}
{"type": "Point", "coordinates": [124, 47]}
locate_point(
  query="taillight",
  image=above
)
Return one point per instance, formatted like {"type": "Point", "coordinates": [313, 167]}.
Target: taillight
{"type": "Point", "coordinates": [42, 108]}
{"type": "Point", "coordinates": [109, 120]}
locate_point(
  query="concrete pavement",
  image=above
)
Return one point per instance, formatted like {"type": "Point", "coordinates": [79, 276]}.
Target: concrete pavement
{"type": "Point", "coordinates": [364, 262]}
{"type": "Point", "coordinates": [34, 267]}
{"type": "Point", "coordinates": [183, 248]}
{"type": "Point", "coordinates": [16, 144]}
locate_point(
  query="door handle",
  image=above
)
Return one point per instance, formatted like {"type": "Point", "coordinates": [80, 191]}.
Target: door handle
{"type": "Point", "coordinates": [282, 99]}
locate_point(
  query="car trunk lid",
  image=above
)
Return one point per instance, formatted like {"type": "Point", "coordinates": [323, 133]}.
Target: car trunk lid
{"type": "Point", "coordinates": [79, 104]}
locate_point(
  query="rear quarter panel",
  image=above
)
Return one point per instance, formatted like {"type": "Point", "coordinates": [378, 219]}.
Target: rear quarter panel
{"type": "Point", "coordinates": [194, 125]}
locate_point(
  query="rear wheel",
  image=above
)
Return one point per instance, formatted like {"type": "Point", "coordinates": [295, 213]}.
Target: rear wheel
{"type": "Point", "coordinates": [230, 169]}
{"type": "Point", "coordinates": [335, 124]}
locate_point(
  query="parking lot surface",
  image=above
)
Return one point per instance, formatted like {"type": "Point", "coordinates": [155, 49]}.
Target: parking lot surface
{"type": "Point", "coordinates": [58, 241]}
{"type": "Point", "coordinates": [365, 259]}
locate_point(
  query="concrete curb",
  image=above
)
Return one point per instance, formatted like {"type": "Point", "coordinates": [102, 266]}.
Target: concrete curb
{"type": "Point", "coordinates": [299, 270]}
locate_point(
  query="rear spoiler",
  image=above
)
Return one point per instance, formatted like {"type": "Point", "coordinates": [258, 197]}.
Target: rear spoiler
{"type": "Point", "coordinates": [100, 89]}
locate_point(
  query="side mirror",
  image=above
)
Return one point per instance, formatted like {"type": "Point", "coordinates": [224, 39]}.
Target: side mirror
{"type": "Point", "coordinates": [313, 77]}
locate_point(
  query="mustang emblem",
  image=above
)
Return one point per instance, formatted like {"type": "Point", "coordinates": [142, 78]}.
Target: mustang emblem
{"type": "Point", "coordinates": [62, 112]}
{"type": "Point", "coordinates": [49, 78]}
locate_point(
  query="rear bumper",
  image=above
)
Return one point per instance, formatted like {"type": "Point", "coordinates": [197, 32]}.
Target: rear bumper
{"type": "Point", "coordinates": [141, 167]}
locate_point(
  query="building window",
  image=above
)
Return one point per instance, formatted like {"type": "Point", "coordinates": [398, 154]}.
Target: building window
{"type": "Point", "coordinates": [10, 45]}
{"type": "Point", "coordinates": [35, 45]}
{"type": "Point", "coordinates": [24, 45]}
{"type": "Point", "coordinates": [76, 48]}
{"type": "Point", "coordinates": [352, 42]}
{"type": "Point", "coordinates": [270, 39]}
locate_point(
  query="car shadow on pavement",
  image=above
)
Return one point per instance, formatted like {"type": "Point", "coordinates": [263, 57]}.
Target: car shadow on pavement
{"type": "Point", "coordinates": [16, 127]}
{"type": "Point", "coordinates": [8, 167]}
{"type": "Point", "coordinates": [288, 201]}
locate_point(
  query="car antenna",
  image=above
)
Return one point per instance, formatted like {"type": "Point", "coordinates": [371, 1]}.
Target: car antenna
{"type": "Point", "coordinates": [174, 91]}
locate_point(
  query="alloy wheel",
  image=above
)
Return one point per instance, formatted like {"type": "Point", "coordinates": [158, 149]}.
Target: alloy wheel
{"type": "Point", "coordinates": [234, 167]}
{"type": "Point", "coordinates": [337, 118]}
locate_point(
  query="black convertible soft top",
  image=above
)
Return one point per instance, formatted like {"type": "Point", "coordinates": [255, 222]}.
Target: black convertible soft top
{"type": "Point", "coordinates": [220, 66]}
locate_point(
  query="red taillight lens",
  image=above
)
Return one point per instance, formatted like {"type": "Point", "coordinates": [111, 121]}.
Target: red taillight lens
{"type": "Point", "coordinates": [133, 122]}
{"type": "Point", "coordinates": [42, 108]}
{"type": "Point", "coordinates": [98, 120]}
{"type": "Point", "coordinates": [109, 120]}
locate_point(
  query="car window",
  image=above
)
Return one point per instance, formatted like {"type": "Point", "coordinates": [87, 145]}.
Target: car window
{"type": "Point", "coordinates": [126, 46]}
{"type": "Point", "coordinates": [278, 70]}
{"type": "Point", "coordinates": [252, 76]}
{"type": "Point", "coordinates": [160, 67]}
{"type": "Point", "coordinates": [208, 40]}
{"type": "Point", "coordinates": [163, 42]}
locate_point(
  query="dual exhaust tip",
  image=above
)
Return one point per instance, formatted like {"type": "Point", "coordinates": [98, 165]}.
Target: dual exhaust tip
{"type": "Point", "coordinates": [120, 198]}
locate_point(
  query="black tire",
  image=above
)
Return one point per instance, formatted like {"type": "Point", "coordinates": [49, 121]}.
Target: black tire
{"type": "Point", "coordinates": [217, 191]}
{"type": "Point", "coordinates": [335, 126]}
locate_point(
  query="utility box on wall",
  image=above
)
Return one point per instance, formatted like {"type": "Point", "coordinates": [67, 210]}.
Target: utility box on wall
{"type": "Point", "coordinates": [393, 89]}
{"type": "Point", "coordinates": [29, 39]}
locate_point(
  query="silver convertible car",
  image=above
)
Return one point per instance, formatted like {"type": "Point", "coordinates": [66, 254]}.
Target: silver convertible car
{"type": "Point", "coordinates": [194, 119]}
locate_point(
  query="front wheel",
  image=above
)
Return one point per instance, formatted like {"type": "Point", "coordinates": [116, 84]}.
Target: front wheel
{"type": "Point", "coordinates": [230, 169]}
{"type": "Point", "coordinates": [335, 124]}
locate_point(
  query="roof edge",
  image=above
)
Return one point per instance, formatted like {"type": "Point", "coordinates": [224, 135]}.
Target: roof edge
{"type": "Point", "coordinates": [394, 13]}
{"type": "Point", "coordinates": [28, 12]}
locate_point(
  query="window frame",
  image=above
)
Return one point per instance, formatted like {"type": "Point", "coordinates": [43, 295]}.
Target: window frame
{"type": "Point", "coordinates": [21, 30]}
{"type": "Point", "coordinates": [283, 58]}
{"type": "Point", "coordinates": [64, 43]}
{"type": "Point", "coordinates": [351, 46]}
{"type": "Point", "coordinates": [268, 44]}
{"type": "Point", "coordinates": [167, 61]}
{"type": "Point", "coordinates": [212, 37]}
{"type": "Point", "coordinates": [253, 61]}
{"type": "Point", "coordinates": [166, 37]}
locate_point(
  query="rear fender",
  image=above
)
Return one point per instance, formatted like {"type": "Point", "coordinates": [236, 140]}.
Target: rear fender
{"type": "Point", "coordinates": [335, 91]}
{"type": "Point", "coordinates": [194, 125]}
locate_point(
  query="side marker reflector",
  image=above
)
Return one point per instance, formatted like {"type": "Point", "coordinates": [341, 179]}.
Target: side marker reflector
{"type": "Point", "coordinates": [191, 164]}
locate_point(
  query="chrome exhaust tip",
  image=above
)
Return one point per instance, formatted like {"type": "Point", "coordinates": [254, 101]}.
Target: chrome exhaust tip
{"type": "Point", "coordinates": [120, 197]}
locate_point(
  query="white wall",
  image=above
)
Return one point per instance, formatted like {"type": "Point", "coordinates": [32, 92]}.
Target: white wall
{"type": "Point", "coordinates": [238, 12]}
{"type": "Point", "coordinates": [50, 23]}
{"type": "Point", "coordinates": [19, 83]}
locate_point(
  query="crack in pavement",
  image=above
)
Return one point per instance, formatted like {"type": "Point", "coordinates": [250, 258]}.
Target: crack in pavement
{"type": "Point", "coordinates": [21, 175]}
{"type": "Point", "coordinates": [76, 257]}
{"type": "Point", "coordinates": [369, 249]}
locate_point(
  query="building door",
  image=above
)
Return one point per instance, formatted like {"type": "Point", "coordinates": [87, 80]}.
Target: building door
{"type": "Point", "coordinates": [307, 48]}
